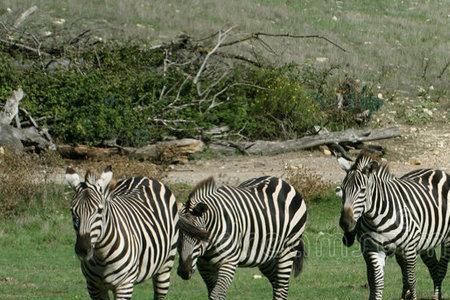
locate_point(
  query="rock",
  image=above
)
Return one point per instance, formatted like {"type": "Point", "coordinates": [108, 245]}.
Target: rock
{"type": "Point", "coordinates": [10, 138]}
{"type": "Point", "coordinates": [325, 150]}
{"type": "Point", "coordinates": [414, 162]}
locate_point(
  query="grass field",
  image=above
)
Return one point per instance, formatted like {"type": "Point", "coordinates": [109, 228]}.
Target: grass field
{"type": "Point", "coordinates": [37, 261]}
{"type": "Point", "coordinates": [399, 45]}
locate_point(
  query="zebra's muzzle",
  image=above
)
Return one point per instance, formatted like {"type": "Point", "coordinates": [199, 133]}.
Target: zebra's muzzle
{"type": "Point", "coordinates": [83, 247]}
{"type": "Point", "coordinates": [347, 222]}
{"type": "Point", "coordinates": [185, 269]}
{"type": "Point", "coordinates": [184, 273]}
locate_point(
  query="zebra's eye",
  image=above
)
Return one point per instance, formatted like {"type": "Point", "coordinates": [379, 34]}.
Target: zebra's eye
{"type": "Point", "coordinates": [76, 222]}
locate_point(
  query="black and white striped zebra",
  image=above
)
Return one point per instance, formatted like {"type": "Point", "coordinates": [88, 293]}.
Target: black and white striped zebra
{"type": "Point", "coordinates": [405, 217]}
{"type": "Point", "coordinates": [125, 233]}
{"type": "Point", "coordinates": [258, 223]}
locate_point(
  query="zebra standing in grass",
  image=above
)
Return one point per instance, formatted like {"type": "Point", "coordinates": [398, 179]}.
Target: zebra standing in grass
{"type": "Point", "coordinates": [403, 216]}
{"type": "Point", "coordinates": [125, 234]}
{"type": "Point", "coordinates": [259, 223]}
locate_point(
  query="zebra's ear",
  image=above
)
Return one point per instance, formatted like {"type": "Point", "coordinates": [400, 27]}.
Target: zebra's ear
{"type": "Point", "coordinates": [345, 164]}
{"type": "Point", "coordinates": [72, 178]}
{"type": "Point", "coordinates": [89, 177]}
{"type": "Point", "coordinates": [373, 166]}
{"type": "Point", "coordinates": [199, 209]}
{"type": "Point", "coordinates": [105, 178]}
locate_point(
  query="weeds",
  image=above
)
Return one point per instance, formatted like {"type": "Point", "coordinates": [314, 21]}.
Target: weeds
{"type": "Point", "coordinates": [310, 185]}
{"type": "Point", "coordinates": [24, 182]}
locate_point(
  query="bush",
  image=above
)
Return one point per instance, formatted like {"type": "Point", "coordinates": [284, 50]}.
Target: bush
{"type": "Point", "coordinates": [24, 184]}
{"type": "Point", "coordinates": [310, 185]}
{"type": "Point", "coordinates": [114, 92]}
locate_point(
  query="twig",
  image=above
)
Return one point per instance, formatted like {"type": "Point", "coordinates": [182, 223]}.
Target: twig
{"type": "Point", "coordinates": [220, 39]}
{"type": "Point", "coordinates": [78, 37]}
{"type": "Point", "coordinates": [425, 68]}
{"type": "Point", "coordinates": [238, 57]}
{"type": "Point", "coordinates": [443, 70]}
{"type": "Point", "coordinates": [24, 47]}
{"type": "Point", "coordinates": [165, 67]}
{"type": "Point", "coordinates": [258, 34]}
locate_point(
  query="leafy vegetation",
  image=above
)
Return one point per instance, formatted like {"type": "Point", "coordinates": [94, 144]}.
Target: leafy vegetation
{"type": "Point", "coordinates": [124, 92]}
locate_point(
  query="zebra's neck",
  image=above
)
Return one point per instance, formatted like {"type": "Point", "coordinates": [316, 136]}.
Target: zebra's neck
{"type": "Point", "coordinates": [379, 199]}
{"type": "Point", "coordinates": [103, 244]}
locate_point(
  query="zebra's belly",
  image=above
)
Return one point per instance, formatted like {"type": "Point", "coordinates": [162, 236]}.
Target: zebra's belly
{"type": "Point", "coordinates": [109, 274]}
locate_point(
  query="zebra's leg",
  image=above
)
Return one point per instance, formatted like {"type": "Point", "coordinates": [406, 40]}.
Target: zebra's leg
{"type": "Point", "coordinates": [225, 276]}
{"type": "Point", "coordinates": [442, 269]}
{"type": "Point", "coordinates": [209, 276]}
{"type": "Point", "coordinates": [410, 264]}
{"type": "Point", "coordinates": [279, 272]}
{"type": "Point", "coordinates": [124, 291]}
{"type": "Point", "coordinates": [375, 262]}
{"type": "Point", "coordinates": [402, 263]}
{"type": "Point", "coordinates": [97, 293]}
{"type": "Point", "coordinates": [161, 283]}
{"type": "Point", "coordinates": [430, 260]}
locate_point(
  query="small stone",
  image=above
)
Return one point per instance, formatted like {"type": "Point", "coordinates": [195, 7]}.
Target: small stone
{"type": "Point", "coordinates": [334, 18]}
{"type": "Point", "coordinates": [414, 162]}
{"type": "Point", "coordinates": [380, 96]}
{"type": "Point", "coordinates": [2, 151]}
{"type": "Point", "coordinates": [428, 112]}
{"type": "Point", "coordinates": [321, 59]}
{"type": "Point", "coordinates": [59, 21]}
{"type": "Point", "coordinates": [257, 276]}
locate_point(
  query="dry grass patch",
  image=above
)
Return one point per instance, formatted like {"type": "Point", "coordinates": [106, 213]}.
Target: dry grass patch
{"type": "Point", "coordinates": [123, 167]}
{"type": "Point", "coordinates": [310, 185]}
{"type": "Point", "coordinates": [24, 180]}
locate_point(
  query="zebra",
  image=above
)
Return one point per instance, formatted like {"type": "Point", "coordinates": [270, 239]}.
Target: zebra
{"type": "Point", "coordinates": [258, 223]}
{"type": "Point", "coordinates": [125, 233]}
{"type": "Point", "coordinates": [403, 216]}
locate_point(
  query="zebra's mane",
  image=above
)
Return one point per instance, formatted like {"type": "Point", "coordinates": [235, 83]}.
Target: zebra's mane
{"type": "Point", "coordinates": [202, 189]}
{"type": "Point", "coordinates": [128, 187]}
{"type": "Point", "coordinates": [365, 158]}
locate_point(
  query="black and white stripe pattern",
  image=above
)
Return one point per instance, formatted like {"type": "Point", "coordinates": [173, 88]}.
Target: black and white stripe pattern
{"type": "Point", "coordinates": [258, 223]}
{"type": "Point", "coordinates": [403, 216]}
{"type": "Point", "coordinates": [125, 234]}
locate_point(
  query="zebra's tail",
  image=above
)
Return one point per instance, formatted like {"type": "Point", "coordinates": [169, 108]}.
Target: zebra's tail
{"type": "Point", "coordinates": [299, 258]}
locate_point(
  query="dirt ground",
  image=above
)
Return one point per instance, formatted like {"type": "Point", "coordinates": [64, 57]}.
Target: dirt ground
{"type": "Point", "coordinates": [418, 147]}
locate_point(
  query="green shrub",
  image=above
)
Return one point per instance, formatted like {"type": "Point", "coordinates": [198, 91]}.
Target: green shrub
{"type": "Point", "coordinates": [114, 92]}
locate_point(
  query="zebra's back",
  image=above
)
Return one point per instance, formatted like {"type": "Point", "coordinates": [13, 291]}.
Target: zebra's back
{"type": "Point", "coordinates": [264, 215]}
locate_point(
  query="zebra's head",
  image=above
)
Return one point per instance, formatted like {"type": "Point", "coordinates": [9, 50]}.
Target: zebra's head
{"type": "Point", "coordinates": [354, 192]}
{"type": "Point", "coordinates": [87, 209]}
{"type": "Point", "coordinates": [193, 238]}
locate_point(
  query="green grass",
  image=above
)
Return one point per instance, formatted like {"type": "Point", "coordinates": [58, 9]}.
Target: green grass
{"type": "Point", "coordinates": [37, 261]}
{"type": "Point", "coordinates": [387, 41]}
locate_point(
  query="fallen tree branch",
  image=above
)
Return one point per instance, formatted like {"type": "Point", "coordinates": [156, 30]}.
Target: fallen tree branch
{"type": "Point", "coordinates": [350, 135]}
{"type": "Point", "coordinates": [23, 47]}
{"type": "Point", "coordinates": [257, 35]}
{"type": "Point", "coordinates": [25, 15]}
{"type": "Point", "coordinates": [168, 151]}
{"type": "Point", "coordinates": [220, 39]}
